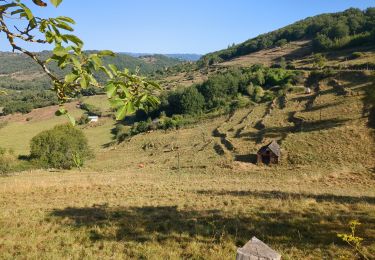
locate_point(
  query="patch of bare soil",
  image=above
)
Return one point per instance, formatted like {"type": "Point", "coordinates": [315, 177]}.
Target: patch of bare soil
{"type": "Point", "coordinates": [38, 114]}
{"type": "Point", "coordinates": [268, 57]}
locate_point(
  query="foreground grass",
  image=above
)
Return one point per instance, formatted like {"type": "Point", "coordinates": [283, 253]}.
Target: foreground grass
{"type": "Point", "coordinates": [173, 195]}
{"type": "Point", "coordinates": [138, 214]}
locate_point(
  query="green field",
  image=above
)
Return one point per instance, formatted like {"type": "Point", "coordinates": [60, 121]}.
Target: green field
{"type": "Point", "coordinates": [20, 129]}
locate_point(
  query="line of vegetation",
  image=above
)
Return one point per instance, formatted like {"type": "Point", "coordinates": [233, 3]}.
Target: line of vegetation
{"type": "Point", "coordinates": [25, 101]}
{"type": "Point", "coordinates": [223, 92]}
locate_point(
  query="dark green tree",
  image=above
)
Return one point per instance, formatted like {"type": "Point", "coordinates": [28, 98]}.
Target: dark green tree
{"type": "Point", "coordinates": [60, 147]}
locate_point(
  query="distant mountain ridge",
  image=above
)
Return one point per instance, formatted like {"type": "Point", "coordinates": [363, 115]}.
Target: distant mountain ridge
{"type": "Point", "coordinates": [179, 56]}
{"type": "Point", "coordinates": [19, 64]}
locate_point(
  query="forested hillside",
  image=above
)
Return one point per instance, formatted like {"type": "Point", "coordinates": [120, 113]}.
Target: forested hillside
{"type": "Point", "coordinates": [26, 84]}
{"type": "Point", "coordinates": [350, 28]}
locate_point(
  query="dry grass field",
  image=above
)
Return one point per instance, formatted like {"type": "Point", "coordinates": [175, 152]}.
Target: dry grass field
{"type": "Point", "coordinates": [300, 54]}
{"type": "Point", "coordinates": [195, 193]}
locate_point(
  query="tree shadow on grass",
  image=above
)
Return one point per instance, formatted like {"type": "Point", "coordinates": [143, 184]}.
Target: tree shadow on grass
{"type": "Point", "coordinates": [307, 230]}
{"type": "Point", "coordinates": [293, 196]}
{"type": "Point", "coordinates": [247, 158]}
{"type": "Point", "coordinates": [280, 133]}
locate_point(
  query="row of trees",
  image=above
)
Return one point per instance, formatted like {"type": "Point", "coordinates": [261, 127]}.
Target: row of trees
{"type": "Point", "coordinates": [352, 27]}
{"type": "Point", "coordinates": [25, 101]}
{"type": "Point", "coordinates": [259, 83]}
{"type": "Point", "coordinates": [225, 91]}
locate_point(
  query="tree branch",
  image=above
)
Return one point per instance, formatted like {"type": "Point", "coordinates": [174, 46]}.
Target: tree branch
{"type": "Point", "coordinates": [11, 37]}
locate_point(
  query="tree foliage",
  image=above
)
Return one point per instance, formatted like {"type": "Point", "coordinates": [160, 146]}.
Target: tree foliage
{"type": "Point", "coordinates": [79, 67]}
{"type": "Point", "coordinates": [59, 147]}
{"type": "Point", "coordinates": [224, 89]}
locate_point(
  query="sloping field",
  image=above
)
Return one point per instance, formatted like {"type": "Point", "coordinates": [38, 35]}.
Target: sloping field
{"type": "Point", "coordinates": [19, 129]}
{"type": "Point", "coordinates": [195, 193]}
{"type": "Point", "coordinates": [300, 55]}
{"type": "Point", "coordinates": [293, 50]}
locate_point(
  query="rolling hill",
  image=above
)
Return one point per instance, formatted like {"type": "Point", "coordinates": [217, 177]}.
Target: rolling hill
{"type": "Point", "coordinates": [179, 56]}
{"type": "Point", "coordinates": [195, 191]}
{"type": "Point", "coordinates": [351, 28]}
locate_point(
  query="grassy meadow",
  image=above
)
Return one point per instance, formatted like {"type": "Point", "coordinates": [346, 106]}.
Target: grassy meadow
{"type": "Point", "coordinates": [196, 194]}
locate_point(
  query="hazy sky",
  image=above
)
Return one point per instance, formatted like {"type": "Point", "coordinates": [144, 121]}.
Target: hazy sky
{"type": "Point", "coordinates": [183, 26]}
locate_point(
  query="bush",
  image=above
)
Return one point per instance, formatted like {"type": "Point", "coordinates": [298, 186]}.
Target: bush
{"type": "Point", "coordinates": [7, 160]}
{"type": "Point", "coordinates": [84, 119]}
{"type": "Point", "coordinates": [258, 94]}
{"type": "Point", "coordinates": [268, 96]}
{"type": "Point", "coordinates": [356, 55]}
{"type": "Point", "coordinates": [120, 132]}
{"type": "Point", "coordinates": [91, 109]}
{"type": "Point", "coordinates": [60, 147]}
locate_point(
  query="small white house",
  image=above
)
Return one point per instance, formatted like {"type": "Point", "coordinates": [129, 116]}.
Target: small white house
{"type": "Point", "coordinates": [93, 119]}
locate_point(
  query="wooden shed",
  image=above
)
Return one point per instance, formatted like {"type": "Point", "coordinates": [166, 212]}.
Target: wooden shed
{"type": "Point", "coordinates": [269, 154]}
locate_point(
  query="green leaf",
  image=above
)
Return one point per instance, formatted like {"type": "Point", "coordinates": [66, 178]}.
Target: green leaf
{"type": "Point", "coordinates": [144, 98]}
{"type": "Point", "coordinates": [71, 119]}
{"type": "Point", "coordinates": [56, 3]}
{"type": "Point", "coordinates": [113, 68]}
{"type": "Point", "coordinates": [64, 26]}
{"type": "Point", "coordinates": [74, 39]}
{"type": "Point", "coordinates": [125, 110]}
{"type": "Point", "coordinates": [66, 19]}
{"type": "Point", "coordinates": [125, 90]}
{"type": "Point", "coordinates": [61, 111]}
{"type": "Point", "coordinates": [121, 113]}
{"type": "Point", "coordinates": [154, 84]}
{"type": "Point", "coordinates": [76, 62]}
{"type": "Point", "coordinates": [116, 103]}
{"type": "Point", "coordinates": [111, 90]}
{"type": "Point", "coordinates": [69, 78]}
{"type": "Point", "coordinates": [28, 12]}
{"type": "Point", "coordinates": [83, 82]}
{"type": "Point", "coordinates": [96, 60]}
{"type": "Point", "coordinates": [60, 51]}
{"type": "Point", "coordinates": [17, 12]}
{"type": "Point", "coordinates": [106, 71]}
{"type": "Point", "coordinates": [106, 53]}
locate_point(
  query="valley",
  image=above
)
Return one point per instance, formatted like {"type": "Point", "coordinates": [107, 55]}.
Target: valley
{"type": "Point", "coordinates": [182, 179]}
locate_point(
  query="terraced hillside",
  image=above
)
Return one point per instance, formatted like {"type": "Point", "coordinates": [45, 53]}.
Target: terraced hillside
{"type": "Point", "coordinates": [196, 193]}
{"type": "Point", "coordinates": [300, 55]}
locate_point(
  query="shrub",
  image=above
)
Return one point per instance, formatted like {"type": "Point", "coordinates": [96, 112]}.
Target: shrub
{"type": "Point", "coordinates": [268, 96]}
{"type": "Point", "coordinates": [84, 119]}
{"type": "Point", "coordinates": [356, 55]}
{"type": "Point", "coordinates": [7, 160]}
{"type": "Point", "coordinates": [258, 94]}
{"type": "Point", "coordinates": [120, 132]}
{"type": "Point", "coordinates": [59, 147]}
{"type": "Point", "coordinates": [91, 109]}
{"type": "Point", "coordinates": [240, 102]}
{"type": "Point", "coordinates": [168, 123]}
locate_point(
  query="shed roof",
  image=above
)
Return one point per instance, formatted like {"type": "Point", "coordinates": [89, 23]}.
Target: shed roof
{"type": "Point", "coordinates": [273, 146]}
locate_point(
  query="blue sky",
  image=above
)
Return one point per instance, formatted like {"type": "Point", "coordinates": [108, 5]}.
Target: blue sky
{"type": "Point", "coordinates": [183, 26]}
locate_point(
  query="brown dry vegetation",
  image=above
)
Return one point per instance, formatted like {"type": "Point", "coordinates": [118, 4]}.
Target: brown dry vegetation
{"type": "Point", "coordinates": [300, 54]}
{"type": "Point", "coordinates": [195, 193]}
{"type": "Point", "coordinates": [267, 57]}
